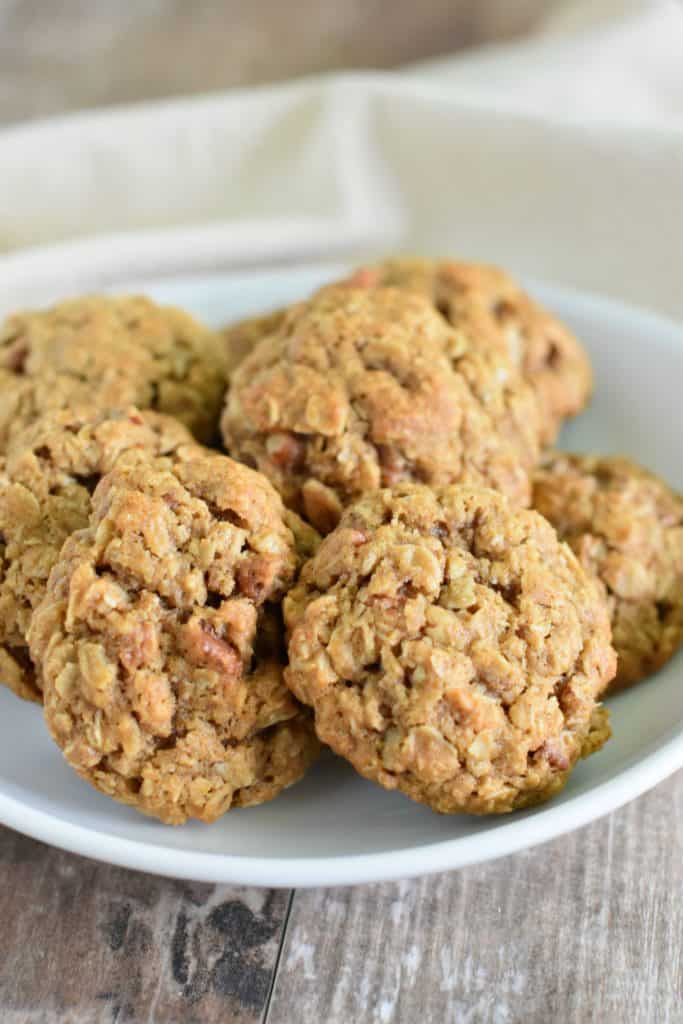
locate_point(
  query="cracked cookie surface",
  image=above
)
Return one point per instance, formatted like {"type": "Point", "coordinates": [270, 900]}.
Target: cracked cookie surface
{"type": "Point", "coordinates": [113, 352]}
{"type": "Point", "coordinates": [161, 644]}
{"type": "Point", "coordinates": [46, 479]}
{"type": "Point", "coordinates": [488, 305]}
{"type": "Point", "coordinates": [451, 647]}
{"type": "Point", "coordinates": [498, 317]}
{"type": "Point", "coordinates": [363, 388]}
{"type": "Point", "coordinates": [626, 527]}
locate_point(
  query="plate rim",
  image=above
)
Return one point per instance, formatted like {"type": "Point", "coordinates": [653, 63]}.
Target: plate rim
{"type": "Point", "coordinates": [552, 821]}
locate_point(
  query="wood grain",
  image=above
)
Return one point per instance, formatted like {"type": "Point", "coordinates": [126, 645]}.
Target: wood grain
{"type": "Point", "coordinates": [586, 928]}
{"type": "Point", "coordinates": [85, 943]}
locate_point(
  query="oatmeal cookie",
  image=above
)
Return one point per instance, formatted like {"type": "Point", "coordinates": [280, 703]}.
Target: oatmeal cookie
{"type": "Point", "coordinates": [243, 335]}
{"type": "Point", "coordinates": [46, 479]}
{"type": "Point", "coordinates": [161, 644]}
{"type": "Point", "coordinates": [451, 647]}
{"type": "Point", "coordinates": [359, 389]}
{"type": "Point", "coordinates": [499, 317]}
{"type": "Point", "coordinates": [113, 352]}
{"type": "Point", "coordinates": [626, 526]}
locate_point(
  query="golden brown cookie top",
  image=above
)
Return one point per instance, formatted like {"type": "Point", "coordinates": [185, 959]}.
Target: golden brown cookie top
{"type": "Point", "coordinates": [114, 351]}
{"type": "Point", "coordinates": [46, 480]}
{"type": "Point", "coordinates": [452, 647]}
{"type": "Point", "coordinates": [196, 522]}
{"type": "Point", "coordinates": [86, 441]}
{"type": "Point", "coordinates": [626, 526]}
{"type": "Point", "coordinates": [359, 389]}
{"type": "Point", "coordinates": [23, 400]}
{"type": "Point", "coordinates": [487, 304]}
{"type": "Point", "coordinates": [160, 639]}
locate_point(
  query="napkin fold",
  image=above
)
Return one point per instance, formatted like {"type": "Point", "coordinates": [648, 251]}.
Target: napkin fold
{"type": "Point", "coordinates": [560, 156]}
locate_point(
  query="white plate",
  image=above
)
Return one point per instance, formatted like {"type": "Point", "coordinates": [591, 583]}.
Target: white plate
{"type": "Point", "coordinates": [334, 827]}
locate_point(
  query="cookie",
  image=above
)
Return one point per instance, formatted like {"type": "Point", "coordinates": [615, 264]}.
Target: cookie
{"type": "Point", "coordinates": [46, 479]}
{"type": "Point", "coordinates": [243, 335]}
{"type": "Point", "coordinates": [626, 526]}
{"type": "Point", "coordinates": [492, 310]}
{"type": "Point", "coordinates": [451, 647]}
{"type": "Point", "coordinates": [113, 352]}
{"type": "Point", "coordinates": [160, 640]}
{"type": "Point", "coordinates": [499, 319]}
{"type": "Point", "coordinates": [364, 388]}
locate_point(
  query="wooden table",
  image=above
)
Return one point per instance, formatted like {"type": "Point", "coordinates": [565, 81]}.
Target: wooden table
{"type": "Point", "coordinates": [586, 928]}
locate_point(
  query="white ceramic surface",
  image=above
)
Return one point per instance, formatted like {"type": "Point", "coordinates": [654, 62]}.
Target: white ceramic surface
{"type": "Point", "coordinates": [334, 827]}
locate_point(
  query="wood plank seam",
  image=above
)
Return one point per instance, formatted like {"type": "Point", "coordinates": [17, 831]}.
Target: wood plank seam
{"type": "Point", "coordinates": [276, 966]}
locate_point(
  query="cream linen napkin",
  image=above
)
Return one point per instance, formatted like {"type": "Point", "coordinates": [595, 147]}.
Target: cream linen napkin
{"type": "Point", "coordinates": [560, 156]}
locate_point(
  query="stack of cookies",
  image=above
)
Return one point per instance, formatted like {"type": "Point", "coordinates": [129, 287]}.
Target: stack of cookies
{"type": "Point", "coordinates": [192, 639]}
